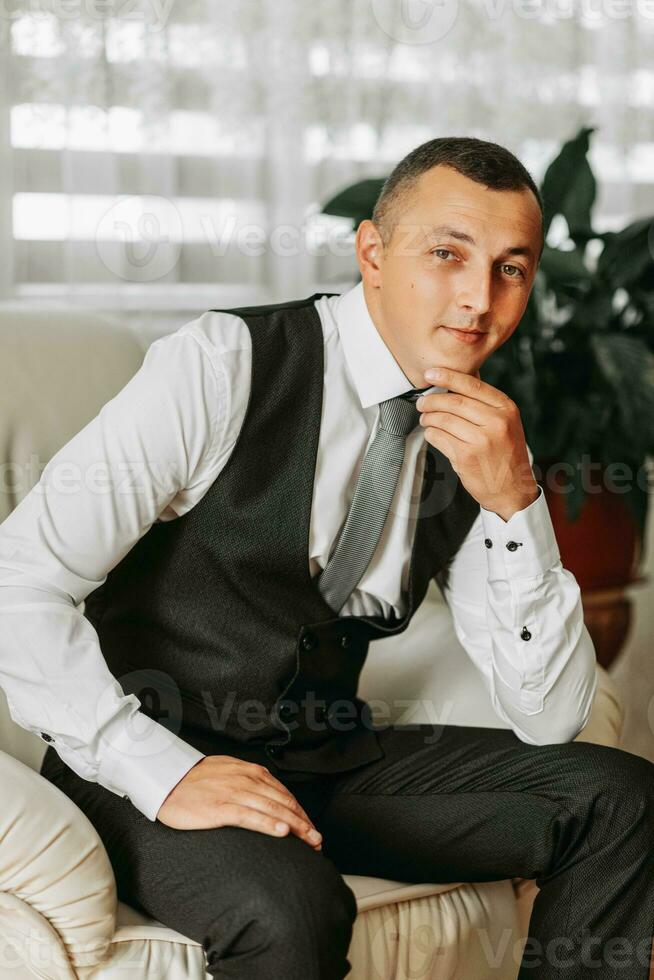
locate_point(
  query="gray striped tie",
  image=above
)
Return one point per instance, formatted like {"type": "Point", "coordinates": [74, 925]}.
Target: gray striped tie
{"type": "Point", "coordinates": [380, 471]}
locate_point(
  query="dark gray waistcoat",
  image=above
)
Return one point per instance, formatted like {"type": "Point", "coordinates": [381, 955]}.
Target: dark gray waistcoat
{"type": "Point", "coordinates": [212, 619]}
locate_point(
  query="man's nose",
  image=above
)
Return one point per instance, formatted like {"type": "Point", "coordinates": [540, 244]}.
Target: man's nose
{"type": "Point", "coordinates": [475, 293]}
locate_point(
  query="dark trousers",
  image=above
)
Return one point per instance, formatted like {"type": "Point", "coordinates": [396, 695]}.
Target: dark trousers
{"type": "Point", "coordinates": [446, 803]}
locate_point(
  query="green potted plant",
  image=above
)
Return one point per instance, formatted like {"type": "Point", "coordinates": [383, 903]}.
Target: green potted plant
{"type": "Point", "coordinates": [580, 367]}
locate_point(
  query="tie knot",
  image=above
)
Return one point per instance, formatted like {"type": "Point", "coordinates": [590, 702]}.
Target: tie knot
{"type": "Point", "coordinates": [398, 415]}
{"type": "Point", "coordinates": [413, 394]}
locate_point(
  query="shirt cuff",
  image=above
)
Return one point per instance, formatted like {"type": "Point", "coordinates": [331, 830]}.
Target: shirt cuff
{"type": "Point", "coordinates": [143, 761]}
{"type": "Point", "coordinates": [523, 546]}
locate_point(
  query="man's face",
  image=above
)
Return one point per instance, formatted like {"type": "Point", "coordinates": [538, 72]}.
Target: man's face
{"type": "Point", "coordinates": [461, 256]}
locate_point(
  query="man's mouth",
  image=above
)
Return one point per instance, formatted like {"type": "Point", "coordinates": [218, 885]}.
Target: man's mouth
{"type": "Point", "coordinates": [465, 336]}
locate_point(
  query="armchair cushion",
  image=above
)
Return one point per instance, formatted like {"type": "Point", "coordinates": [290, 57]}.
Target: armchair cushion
{"type": "Point", "coordinates": [57, 889]}
{"type": "Point", "coordinates": [57, 370]}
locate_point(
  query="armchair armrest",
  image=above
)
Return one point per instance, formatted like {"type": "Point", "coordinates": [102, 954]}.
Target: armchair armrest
{"type": "Point", "coordinates": [604, 725]}
{"type": "Point", "coordinates": [57, 888]}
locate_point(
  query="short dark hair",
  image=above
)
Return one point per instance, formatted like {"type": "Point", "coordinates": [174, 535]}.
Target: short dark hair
{"type": "Point", "coordinates": [480, 160]}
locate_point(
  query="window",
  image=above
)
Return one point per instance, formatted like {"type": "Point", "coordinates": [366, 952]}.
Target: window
{"type": "Point", "coordinates": [160, 149]}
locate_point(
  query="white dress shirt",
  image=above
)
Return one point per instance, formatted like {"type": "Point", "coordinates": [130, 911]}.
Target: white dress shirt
{"type": "Point", "coordinates": [153, 451]}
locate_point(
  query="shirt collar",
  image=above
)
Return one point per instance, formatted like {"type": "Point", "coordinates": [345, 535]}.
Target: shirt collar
{"type": "Point", "coordinates": [376, 374]}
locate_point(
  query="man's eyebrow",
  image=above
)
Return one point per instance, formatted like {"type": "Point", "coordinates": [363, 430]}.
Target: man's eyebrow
{"type": "Point", "coordinates": [463, 236]}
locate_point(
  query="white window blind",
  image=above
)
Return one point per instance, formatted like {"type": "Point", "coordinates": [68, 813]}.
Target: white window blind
{"type": "Point", "coordinates": [189, 143]}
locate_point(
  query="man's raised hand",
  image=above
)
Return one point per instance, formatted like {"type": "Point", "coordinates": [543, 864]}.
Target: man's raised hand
{"type": "Point", "coordinates": [480, 431]}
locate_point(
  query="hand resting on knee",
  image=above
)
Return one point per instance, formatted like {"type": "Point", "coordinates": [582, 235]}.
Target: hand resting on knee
{"type": "Point", "coordinates": [221, 790]}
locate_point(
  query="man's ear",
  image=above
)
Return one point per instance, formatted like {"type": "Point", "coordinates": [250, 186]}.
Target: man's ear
{"type": "Point", "coordinates": [370, 252]}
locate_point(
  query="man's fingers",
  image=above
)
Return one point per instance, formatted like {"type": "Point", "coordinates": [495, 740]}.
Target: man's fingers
{"type": "Point", "coordinates": [282, 795]}
{"type": "Point", "coordinates": [252, 817]}
{"type": "Point", "coordinates": [238, 815]}
{"type": "Point", "coordinates": [265, 775]}
{"type": "Point", "coordinates": [278, 811]}
{"type": "Point", "coordinates": [262, 782]}
{"type": "Point", "coordinates": [469, 385]}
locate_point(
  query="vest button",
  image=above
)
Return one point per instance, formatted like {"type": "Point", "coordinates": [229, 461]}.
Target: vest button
{"type": "Point", "coordinates": [512, 545]}
{"type": "Point", "coordinates": [275, 751]}
{"type": "Point", "coordinates": [488, 542]}
{"type": "Point", "coordinates": [346, 641]}
{"type": "Point", "coordinates": [526, 635]}
{"type": "Point", "coordinates": [285, 710]}
{"type": "Point", "coordinates": [321, 712]}
{"type": "Point", "coordinates": [309, 641]}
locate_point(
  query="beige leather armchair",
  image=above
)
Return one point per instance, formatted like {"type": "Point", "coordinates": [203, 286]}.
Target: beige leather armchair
{"type": "Point", "coordinates": [59, 914]}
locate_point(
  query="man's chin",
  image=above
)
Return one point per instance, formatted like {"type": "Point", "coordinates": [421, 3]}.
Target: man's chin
{"type": "Point", "coordinates": [467, 365]}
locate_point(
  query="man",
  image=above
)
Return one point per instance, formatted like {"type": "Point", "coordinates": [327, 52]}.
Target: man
{"type": "Point", "coordinates": [291, 505]}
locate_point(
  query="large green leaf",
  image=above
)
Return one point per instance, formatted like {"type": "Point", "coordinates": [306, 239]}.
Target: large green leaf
{"type": "Point", "coordinates": [569, 187]}
{"type": "Point", "coordinates": [564, 273]}
{"type": "Point", "coordinates": [357, 201]}
{"type": "Point", "coordinates": [627, 366]}
{"type": "Point", "coordinates": [593, 313]}
{"type": "Point", "coordinates": [627, 254]}
{"type": "Point", "coordinates": [565, 267]}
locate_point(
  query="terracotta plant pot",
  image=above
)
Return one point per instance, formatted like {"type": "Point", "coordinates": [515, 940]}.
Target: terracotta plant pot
{"type": "Point", "coordinates": [602, 547]}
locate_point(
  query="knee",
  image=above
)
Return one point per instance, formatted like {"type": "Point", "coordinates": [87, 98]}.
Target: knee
{"type": "Point", "coordinates": [604, 801]}
{"type": "Point", "coordinates": [320, 904]}
{"type": "Point", "coordinates": [323, 899]}
{"type": "Point", "coordinates": [295, 921]}
{"type": "Point", "coordinates": [616, 784]}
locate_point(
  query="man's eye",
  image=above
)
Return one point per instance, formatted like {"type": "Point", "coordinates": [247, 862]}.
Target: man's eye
{"type": "Point", "coordinates": [514, 273]}
{"type": "Point", "coordinates": [439, 251]}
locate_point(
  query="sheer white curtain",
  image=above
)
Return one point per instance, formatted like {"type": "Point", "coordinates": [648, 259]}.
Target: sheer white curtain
{"type": "Point", "coordinates": [166, 144]}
